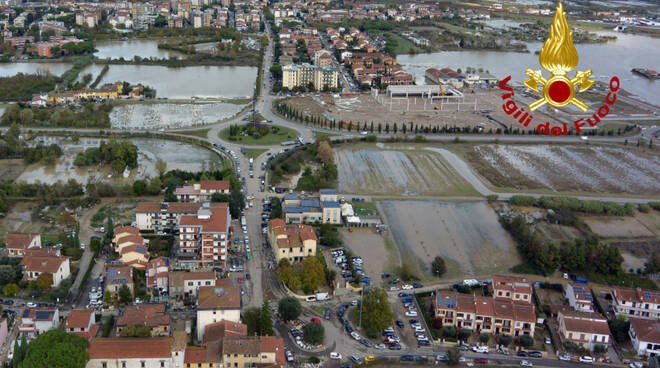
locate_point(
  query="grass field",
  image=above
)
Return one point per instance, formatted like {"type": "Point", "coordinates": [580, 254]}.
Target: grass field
{"type": "Point", "coordinates": [255, 152]}
{"type": "Point", "coordinates": [201, 133]}
{"type": "Point", "coordinates": [284, 134]}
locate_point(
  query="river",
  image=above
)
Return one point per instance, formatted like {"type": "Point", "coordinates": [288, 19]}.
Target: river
{"type": "Point", "coordinates": [605, 60]}
{"type": "Point", "coordinates": [11, 69]}
{"type": "Point", "coordinates": [128, 49]}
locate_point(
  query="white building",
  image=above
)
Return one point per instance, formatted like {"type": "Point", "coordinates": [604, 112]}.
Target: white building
{"type": "Point", "coordinates": [35, 321]}
{"type": "Point", "coordinates": [215, 304]}
{"type": "Point", "coordinates": [38, 261]}
{"type": "Point", "coordinates": [638, 303]}
{"type": "Point", "coordinates": [645, 336]}
{"type": "Point", "coordinates": [579, 297]}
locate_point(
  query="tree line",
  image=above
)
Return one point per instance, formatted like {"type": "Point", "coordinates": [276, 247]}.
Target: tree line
{"type": "Point", "coordinates": [593, 207]}
{"type": "Point", "coordinates": [118, 154]}
{"type": "Point", "coordinates": [90, 115]}
{"type": "Point", "coordinates": [21, 87]}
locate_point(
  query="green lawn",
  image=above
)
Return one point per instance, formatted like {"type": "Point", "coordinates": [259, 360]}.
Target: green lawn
{"type": "Point", "coordinates": [238, 101]}
{"type": "Point", "coordinates": [255, 152]}
{"type": "Point", "coordinates": [284, 134]}
{"type": "Point", "coordinates": [201, 133]}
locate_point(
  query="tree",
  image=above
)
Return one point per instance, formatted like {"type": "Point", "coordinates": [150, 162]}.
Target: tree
{"type": "Point", "coordinates": [448, 332]}
{"type": "Point", "coordinates": [287, 275]}
{"type": "Point", "coordinates": [504, 340]}
{"type": "Point", "coordinates": [125, 296]}
{"type": "Point", "coordinates": [619, 327]}
{"type": "Point", "coordinates": [438, 265]}
{"type": "Point", "coordinates": [325, 152]}
{"type": "Point", "coordinates": [484, 337]}
{"type": "Point", "coordinates": [289, 308]}
{"type": "Point", "coordinates": [266, 320]}
{"type": "Point", "coordinates": [160, 21]}
{"type": "Point", "coordinates": [10, 289]}
{"type": "Point", "coordinates": [251, 317]}
{"type": "Point", "coordinates": [135, 331]}
{"type": "Point", "coordinates": [45, 280]}
{"type": "Point", "coordinates": [276, 208]}
{"type": "Point", "coordinates": [454, 356]}
{"type": "Point", "coordinates": [328, 236]}
{"type": "Point", "coordinates": [313, 333]}
{"type": "Point", "coordinates": [107, 298]}
{"type": "Point", "coordinates": [220, 197]}
{"type": "Point", "coordinates": [465, 333]}
{"type": "Point", "coordinates": [139, 187]}
{"type": "Point", "coordinates": [160, 166]}
{"type": "Point", "coordinates": [313, 274]}
{"type": "Point", "coordinates": [526, 341]}
{"type": "Point", "coordinates": [56, 348]}
{"type": "Point", "coordinates": [376, 311]}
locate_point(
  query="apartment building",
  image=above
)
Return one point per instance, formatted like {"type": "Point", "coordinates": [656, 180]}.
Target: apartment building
{"type": "Point", "coordinates": [484, 314]}
{"type": "Point", "coordinates": [202, 191]}
{"type": "Point", "coordinates": [162, 216]}
{"type": "Point", "coordinates": [304, 75]}
{"type": "Point", "coordinates": [185, 284]}
{"type": "Point", "coordinates": [517, 289]}
{"type": "Point", "coordinates": [579, 297]}
{"type": "Point", "coordinates": [645, 336]}
{"type": "Point", "coordinates": [203, 236]}
{"type": "Point", "coordinates": [215, 304]}
{"type": "Point", "coordinates": [636, 302]}
{"type": "Point", "coordinates": [583, 328]}
{"type": "Point", "coordinates": [292, 242]}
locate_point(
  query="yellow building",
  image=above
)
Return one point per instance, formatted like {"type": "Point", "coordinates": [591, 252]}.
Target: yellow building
{"type": "Point", "coordinates": [302, 75]}
{"type": "Point", "coordinates": [293, 242]}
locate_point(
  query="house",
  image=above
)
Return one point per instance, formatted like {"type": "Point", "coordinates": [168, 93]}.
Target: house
{"type": "Point", "coordinates": [292, 242]}
{"type": "Point", "coordinates": [645, 336]}
{"type": "Point", "coordinates": [185, 284]}
{"type": "Point", "coordinates": [116, 276]}
{"type": "Point", "coordinates": [81, 322]}
{"type": "Point", "coordinates": [38, 261]}
{"type": "Point", "coordinates": [253, 351]}
{"type": "Point", "coordinates": [127, 241]}
{"type": "Point", "coordinates": [579, 297]}
{"type": "Point", "coordinates": [157, 273]}
{"type": "Point", "coordinates": [216, 304]}
{"type": "Point", "coordinates": [150, 315]}
{"type": "Point", "coordinates": [123, 231]}
{"type": "Point", "coordinates": [514, 288]}
{"type": "Point", "coordinates": [135, 256]}
{"type": "Point", "coordinates": [154, 352]}
{"type": "Point", "coordinates": [17, 243]}
{"type": "Point", "coordinates": [3, 330]}
{"type": "Point", "coordinates": [202, 191]}
{"type": "Point", "coordinates": [203, 236]}
{"type": "Point", "coordinates": [220, 330]}
{"type": "Point", "coordinates": [484, 314]}
{"type": "Point", "coordinates": [636, 302]}
{"type": "Point", "coordinates": [583, 328]}
{"type": "Point", "coordinates": [35, 321]}
{"type": "Point", "coordinates": [162, 216]}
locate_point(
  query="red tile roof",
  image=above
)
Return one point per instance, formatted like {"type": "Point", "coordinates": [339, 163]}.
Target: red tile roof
{"type": "Point", "coordinates": [637, 295]}
{"type": "Point", "coordinates": [194, 355]}
{"type": "Point", "coordinates": [274, 344]}
{"type": "Point", "coordinates": [78, 318]}
{"type": "Point", "coordinates": [127, 229]}
{"type": "Point", "coordinates": [646, 330]}
{"type": "Point", "coordinates": [215, 223]}
{"type": "Point", "coordinates": [50, 264]}
{"type": "Point", "coordinates": [117, 348]}
{"type": "Point", "coordinates": [150, 315]}
{"type": "Point", "coordinates": [587, 322]}
{"type": "Point", "coordinates": [209, 297]}
{"type": "Point", "coordinates": [19, 240]}
{"type": "Point", "coordinates": [136, 239]}
{"type": "Point", "coordinates": [219, 330]}
{"type": "Point", "coordinates": [214, 184]}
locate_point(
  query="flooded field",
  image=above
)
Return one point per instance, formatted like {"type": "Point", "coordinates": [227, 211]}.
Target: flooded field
{"type": "Point", "coordinates": [178, 155]}
{"type": "Point", "coordinates": [467, 235]}
{"type": "Point", "coordinates": [158, 116]}
{"type": "Point", "coordinates": [128, 49]}
{"type": "Point", "coordinates": [568, 168]}
{"type": "Point", "coordinates": [184, 83]}
{"type": "Point", "coordinates": [10, 69]}
{"type": "Point", "coordinates": [404, 172]}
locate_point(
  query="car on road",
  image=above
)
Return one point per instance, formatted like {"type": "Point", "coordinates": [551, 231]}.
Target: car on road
{"type": "Point", "coordinates": [565, 357]}
{"type": "Point", "coordinates": [526, 363]}
{"type": "Point", "coordinates": [380, 346]}
{"type": "Point", "coordinates": [335, 355]}
{"type": "Point", "coordinates": [586, 359]}
{"type": "Point", "coordinates": [480, 361]}
{"type": "Point", "coordinates": [355, 336]}
{"type": "Point", "coordinates": [369, 359]}
{"type": "Point", "coordinates": [326, 314]}
{"type": "Point", "coordinates": [366, 342]}
{"type": "Point", "coordinates": [394, 347]}
{"type": "Point", "coordinates": [399, 323]}
{"type": "Point", "coordinates": [417, 285]}
{"type": "Point", "coordinates": [407, 358]}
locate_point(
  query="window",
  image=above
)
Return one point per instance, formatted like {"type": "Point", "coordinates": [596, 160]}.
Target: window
{"type": "Point", "coordinates": [123, 364]}
{"type": "Point", "coordinates": [208, 283]}
{"type": "Point", "coordinates": [162, 364]}
{"type": "Point", "coordinates": [104, 365]}
{"type": "Point", "coordinates": [143, 364]}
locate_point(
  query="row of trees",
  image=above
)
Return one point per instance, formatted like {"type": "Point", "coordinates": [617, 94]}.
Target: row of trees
{"type": "Point", "coordinates": [573, 204]}
{"type": "Point", "coordinates": [21, 87]}
{"type": "Point", "coordinates": [91, 115]}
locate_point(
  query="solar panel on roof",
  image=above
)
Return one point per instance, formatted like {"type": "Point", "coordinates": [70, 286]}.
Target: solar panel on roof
{"type": "Point", "coordinates": [647, 294]}
{"type": "Point", "coordinates": [26, 313]}
{"type": "Point", "coordinates": [43, 314]}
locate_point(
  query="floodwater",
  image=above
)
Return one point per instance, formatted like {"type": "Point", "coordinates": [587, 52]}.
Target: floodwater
{"type": "Point", "coordinates": [11, 69]}
{"type": "Point", "coordinates": [178, 155]}
{"type": "Point", "coordinates": [186, 82]}
{"type": "Point", "coordinates": [499, 23]}
{"type": "Point", "coordinates": [162, 115]}
{"type": "Point", "coordinates": [128, 49]}
{"type": "Point", "coordinates": [615, 58]}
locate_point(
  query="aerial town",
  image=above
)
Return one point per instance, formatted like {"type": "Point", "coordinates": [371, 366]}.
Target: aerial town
{"type": "Point", "coordinates": [333, 183]}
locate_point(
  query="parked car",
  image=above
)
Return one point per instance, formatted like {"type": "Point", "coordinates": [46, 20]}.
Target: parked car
{"type": "Point", "coordinates": [480, 349]}
{"type": "Point", "coordinates": [395, 347]}
{"type": "Point", "coordinates": [522, 353]}
{"type": "Point", "coordinates": [399, 323]}
{"type": "Point", "coordinates": [407, 358]}
{"type": "Point", "coordinates": [411, 314]}
{"type": "Point", "coordinates": [480, 361]}
{"type": "Point", "coordinates": [335, 355]}
{"type": "Point", "coordinates": [535, 354]}
{"type": "Point", "coordinates": [586, 359]}
{"type": "Point", "coordinates": [355, 336]}
{"type": "Point", "coordinates": [565, 357]}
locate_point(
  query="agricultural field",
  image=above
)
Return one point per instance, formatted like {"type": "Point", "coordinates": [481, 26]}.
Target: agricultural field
{"type": "Point", "coordinates": [367, 169]}
{"type": "Point", "coordinates": [566, 168]}
{"type": "Point", "coordinates": [467, 235]}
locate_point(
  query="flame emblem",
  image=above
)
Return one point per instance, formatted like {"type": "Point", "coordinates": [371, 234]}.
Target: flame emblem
{"type": "Point", "coordinates": [558, 56]}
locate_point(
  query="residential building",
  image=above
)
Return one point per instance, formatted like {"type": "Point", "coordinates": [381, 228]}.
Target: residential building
{"type": "Point", "coordinates": [202, 191]}
{"type": "Point", "coordinates": [637, 302]}
{"type": "Point", "coordinates": [18, 243]}
{"type": "Point", "coordinates": [518, 289]}
{"type": "Point", "coordinates": [579, 297]}
{"type": "Point", "coordinates": [125, 231]}
{"type": "Point", "coordinates": [583, 329]}
{"type": "Point", "coordinates": [35, 321]}
{"type": "Point", "coordinates": [150, 315]}
{"type": "Point", "coordinates": [81, 322]}
{"type": "Point", "coordinates": [154, 352]}
{"type": "Point", "coordinates": [162, 216]}
{"type": "Point", "coordinates": [323, 58]}
{"type": "Point", "coordinates": [215, 304]}
{"type": "Point", "coordinates": [292, 242]}
{"type": "Point", "coordinates": [485, 314]}
{"type": "Point", "coordinates": [127, 241]}
{"type": "Point", "coordinates": [307, 209]}
{"type": "Point", "coordinates": [645, 336]}
{"type": "Point", "coordinates": [157, 273]}
{"type": "Point", "coordinates": [304, 75]}
{"type": "Point", "coordinates": [38, 261]}
{"type": "Point", "coordinates": [203, 237]}
{"type": "Point", "coordinates": [136, 256]}
{"type": "Point", "coordinates": [253, 351]}
{"type": "Point", "coordinates": [220, 330]}
{"type": "Point", "coordinates": [117, 275]}
{"type": "Point", "coordinates": [186, 284]}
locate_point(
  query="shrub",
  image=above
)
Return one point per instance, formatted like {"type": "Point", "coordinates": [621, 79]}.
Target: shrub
{"type": "Point", "coordinates": [520, 200]}
{"type": "Point", "coordinates": [526, 341]}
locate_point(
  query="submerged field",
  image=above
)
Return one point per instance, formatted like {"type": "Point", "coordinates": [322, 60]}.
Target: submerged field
{"type": "Point", "coordinates": [167, 116]}
{"type": "Point", "coordinates": [407, 172]}
{"type": "Point", "coordinates": [568, 168]}
{"type": "Point", "coordinates": [467, 235]}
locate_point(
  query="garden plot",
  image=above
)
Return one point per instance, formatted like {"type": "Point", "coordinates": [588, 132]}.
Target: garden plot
{"type": "Point", "coordinates": [467, 235]}
{"type": "Point", "coordinates": [568, 168]}
{"type": "Point", "coordinates": [410, 173]}
{"type": "Point", "coordinates": [166, 116]}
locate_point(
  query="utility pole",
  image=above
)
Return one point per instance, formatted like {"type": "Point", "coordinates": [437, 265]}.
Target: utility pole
{"type": "Point", "coordinates": [361, 295]}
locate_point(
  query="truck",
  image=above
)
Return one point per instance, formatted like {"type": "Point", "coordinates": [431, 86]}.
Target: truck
{"type": "Point", "coordinates": [322, 296]}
